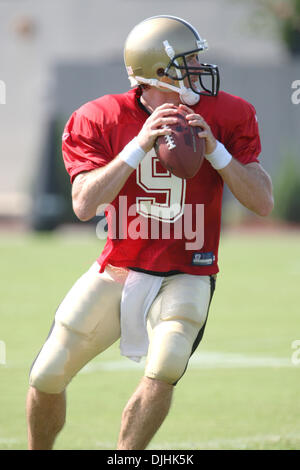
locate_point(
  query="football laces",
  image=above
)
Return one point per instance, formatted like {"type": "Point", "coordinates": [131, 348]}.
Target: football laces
{"type": "Point", "coordinates": [169, 139]}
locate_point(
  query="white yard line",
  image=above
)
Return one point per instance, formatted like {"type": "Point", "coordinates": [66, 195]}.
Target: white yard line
{"type": "Point", "coordinates": [221, 360]}
{"type": "Point", "coordinates": [8, 440]}
{"type": "Point", "coordinates": [233, 443]}
{"type": "Point", "coordinates": [202, 360]}
{"type": "Point", "coordinates": [228, 443]}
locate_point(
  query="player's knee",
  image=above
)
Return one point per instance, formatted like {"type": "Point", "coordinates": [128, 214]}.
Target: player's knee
{"type": "Point", "coordinates": [57, 362]}
{"type": "Point", "coordinates": [47, 383]}
{"type": "Point", "coordinates": [48, 377]}
{"type": "Point", "coordinates": [168, 358]}
{"type": "Point", "coordinates": [171, 367]}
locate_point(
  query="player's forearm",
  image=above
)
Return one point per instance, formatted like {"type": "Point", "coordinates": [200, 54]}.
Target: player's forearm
{"type": "Point", "coordinates": [101, 186]}
{"type": "Point", "coordinates": [251, 185]}
{"type": "Point", "coordinates": [98, 187]}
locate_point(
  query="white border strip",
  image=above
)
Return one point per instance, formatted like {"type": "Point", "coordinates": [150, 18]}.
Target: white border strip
{"type": "Point", "coordinates": [245, 442]}
{"type": "Point", "coordinates": [202, 360]}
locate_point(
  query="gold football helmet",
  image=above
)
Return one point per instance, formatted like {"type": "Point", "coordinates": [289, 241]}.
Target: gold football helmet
{"type": "Point", "coordinates": [163, 51]}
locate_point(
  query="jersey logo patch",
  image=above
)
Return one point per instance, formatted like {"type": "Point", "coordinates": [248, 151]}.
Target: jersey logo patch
{"type": "Point", "coordinates": [203, 259]}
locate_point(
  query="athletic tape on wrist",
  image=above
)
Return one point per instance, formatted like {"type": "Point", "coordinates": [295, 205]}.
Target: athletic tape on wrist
{"type": "Point", "coordinates": [219, 158]}
{"type": "Point", "coordinates": [132, 153]}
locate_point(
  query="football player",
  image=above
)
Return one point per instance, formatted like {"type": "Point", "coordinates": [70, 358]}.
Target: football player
{"type": "Point", "coordinates": [150, 289]}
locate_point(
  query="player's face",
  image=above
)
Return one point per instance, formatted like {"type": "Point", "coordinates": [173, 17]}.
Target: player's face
{"type": "Point", "coordinates": [193, 62]}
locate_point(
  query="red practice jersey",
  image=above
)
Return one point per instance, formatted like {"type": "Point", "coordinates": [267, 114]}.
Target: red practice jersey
{"type": "Point", "coordinates": [158, 222]}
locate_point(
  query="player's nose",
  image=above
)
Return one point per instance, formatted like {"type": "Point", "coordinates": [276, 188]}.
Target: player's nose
{"type": "Point", "coordinates": [193, 61]}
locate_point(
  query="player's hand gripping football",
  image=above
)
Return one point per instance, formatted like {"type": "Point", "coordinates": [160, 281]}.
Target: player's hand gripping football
{"type": "Point", "coordinates": [155, 125]}
{"type": "Point", "coordinates": [197, 120]}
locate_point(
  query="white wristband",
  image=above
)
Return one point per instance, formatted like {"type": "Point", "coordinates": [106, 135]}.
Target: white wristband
{"type": "Point", "coordinates": [219, 158]}
{"type": "Point", "coordinates": [132, 153]}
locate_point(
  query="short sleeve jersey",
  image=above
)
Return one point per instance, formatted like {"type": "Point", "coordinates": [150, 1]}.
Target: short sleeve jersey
{"type": "Point", "coordinates": [158, 222]}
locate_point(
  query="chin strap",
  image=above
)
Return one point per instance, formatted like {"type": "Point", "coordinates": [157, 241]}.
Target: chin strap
{"type": "Point", "coordinates": [187, 95]}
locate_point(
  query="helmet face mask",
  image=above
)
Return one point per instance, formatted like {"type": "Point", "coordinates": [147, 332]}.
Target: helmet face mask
{"type": "Point", "coordinates": [164, 51]}
{"type": "Point", "coordinates": [203, 79]}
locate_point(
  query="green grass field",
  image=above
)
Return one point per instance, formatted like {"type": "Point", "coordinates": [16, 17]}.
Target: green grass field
{"type": "Point", "coordinates": [241, 390]}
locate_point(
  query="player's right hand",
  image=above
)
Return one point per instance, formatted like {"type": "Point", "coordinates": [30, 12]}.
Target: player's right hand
{"type": "Point", "coordinates": [161, 116]}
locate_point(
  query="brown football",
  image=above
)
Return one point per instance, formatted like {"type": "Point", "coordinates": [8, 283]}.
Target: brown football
{"type": "Point", "coordinates": [182, 152]}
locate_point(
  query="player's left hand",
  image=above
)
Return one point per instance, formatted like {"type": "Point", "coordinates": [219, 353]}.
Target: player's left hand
{"type": "Point", "coordinates": [197, 120]}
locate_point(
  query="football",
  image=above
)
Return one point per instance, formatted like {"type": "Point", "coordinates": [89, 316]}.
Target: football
{"type": "Point", "coordinates": [182, 152]}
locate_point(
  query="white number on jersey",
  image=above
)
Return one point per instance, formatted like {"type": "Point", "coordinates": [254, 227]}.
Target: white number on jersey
{"type": "Point", "coordinates": [166, 184]}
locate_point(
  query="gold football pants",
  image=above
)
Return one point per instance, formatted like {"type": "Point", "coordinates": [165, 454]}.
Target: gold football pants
{"type": "Point", "coordinates": [88, 321]}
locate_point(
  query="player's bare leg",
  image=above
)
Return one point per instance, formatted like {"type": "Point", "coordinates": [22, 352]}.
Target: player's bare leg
{"type": "Point", "coordinates": [45, 418]}
{"type": "Point", "coordinates": [144, 413]}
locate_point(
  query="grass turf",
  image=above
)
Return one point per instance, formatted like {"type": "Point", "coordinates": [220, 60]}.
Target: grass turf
{"type": "Point", "coordinates": [255, 313]}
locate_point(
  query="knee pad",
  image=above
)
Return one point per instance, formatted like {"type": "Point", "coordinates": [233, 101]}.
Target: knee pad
{"type": "Point", "coordinates": [170, 349]}
{"type": "Point", "coordinates": [64, 353]}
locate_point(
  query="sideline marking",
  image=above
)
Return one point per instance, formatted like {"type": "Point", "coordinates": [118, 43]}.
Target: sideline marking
{"type": "Point", "coordinates": [8, 440]}
{"type": "Point", "coordinates": [203, 360]}
{"type": "Point", "coordinates": [227, 443]}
